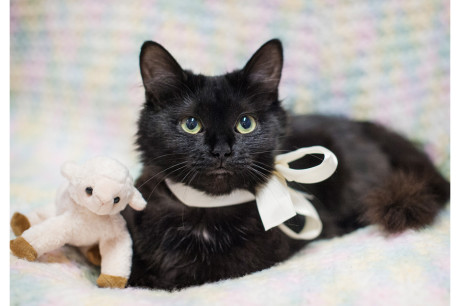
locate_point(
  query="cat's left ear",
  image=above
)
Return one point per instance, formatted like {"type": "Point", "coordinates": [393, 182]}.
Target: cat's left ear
{"type": "Point", "coordinates": [159, 70]}
{"type": "Point", "coordinates": [264, 67]}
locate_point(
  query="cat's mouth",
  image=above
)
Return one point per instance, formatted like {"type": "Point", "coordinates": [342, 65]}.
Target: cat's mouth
{"type": "Point", "coordinates": [220, 171]}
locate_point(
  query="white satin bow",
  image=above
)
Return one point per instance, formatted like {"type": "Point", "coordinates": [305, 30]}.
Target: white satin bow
{"type": "Point", "coordinates": [276, 201]}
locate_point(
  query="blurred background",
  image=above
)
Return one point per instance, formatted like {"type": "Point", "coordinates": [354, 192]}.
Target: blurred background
{"type": "Point", "coordinates": [76, 89]}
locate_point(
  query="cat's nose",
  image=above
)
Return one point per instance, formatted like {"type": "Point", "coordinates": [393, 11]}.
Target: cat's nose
{"type": "Point", "coordinates": [221, 150]}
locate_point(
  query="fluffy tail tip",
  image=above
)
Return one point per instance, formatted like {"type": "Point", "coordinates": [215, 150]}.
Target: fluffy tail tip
{"type": "Point", "coordinates": [406, 201]}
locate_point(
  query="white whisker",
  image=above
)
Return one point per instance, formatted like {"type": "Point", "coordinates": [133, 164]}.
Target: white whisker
{"type": "Point", "coordinates": [150, 178]}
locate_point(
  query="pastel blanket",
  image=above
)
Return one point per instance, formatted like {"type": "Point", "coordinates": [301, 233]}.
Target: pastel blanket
{"type": "Point", "coordinates": [362, 268]}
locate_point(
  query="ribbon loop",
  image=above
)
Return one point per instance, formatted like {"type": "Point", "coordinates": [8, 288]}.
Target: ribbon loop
{"type": "Point", "coordinates": [276, 201]}
{"type": "Point", "coordinates": [313, 225]}
{"type": "Point", "coordinates": [310, 175]}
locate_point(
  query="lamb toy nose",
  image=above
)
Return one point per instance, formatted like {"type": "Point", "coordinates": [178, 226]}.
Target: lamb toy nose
{"type": "Point", "coordinates": [106, 191]}
{"type": "Point", "coordinates": [104, 200]}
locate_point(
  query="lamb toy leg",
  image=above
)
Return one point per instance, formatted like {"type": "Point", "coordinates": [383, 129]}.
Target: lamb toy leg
{"type": "Point", "coordinates": [43, 237]}
{"type": "Point", "coordinates": [116, 254]}
{"type": "Point", "coordinates": [92, 254]}
{"type": "Point", "coordinates": [19, 222]}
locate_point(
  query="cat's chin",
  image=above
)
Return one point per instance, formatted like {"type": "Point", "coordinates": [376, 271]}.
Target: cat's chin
{"type": "Point", "coordinates": [219, 185]}
{"type": "Point", "coordinates": [219, 182]}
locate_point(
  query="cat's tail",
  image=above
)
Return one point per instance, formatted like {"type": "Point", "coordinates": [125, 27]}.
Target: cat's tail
{"type": "Point", "coordinates": [415, 191]}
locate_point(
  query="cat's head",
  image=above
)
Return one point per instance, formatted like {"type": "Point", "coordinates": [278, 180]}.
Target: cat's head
{"type": "Point", "coordinates": [214, 133]}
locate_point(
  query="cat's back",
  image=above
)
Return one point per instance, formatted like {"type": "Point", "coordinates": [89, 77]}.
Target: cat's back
{"type": "Point", "coordinates": [358, 152]}
{"type": "Point", "coordinates": [324, 130]}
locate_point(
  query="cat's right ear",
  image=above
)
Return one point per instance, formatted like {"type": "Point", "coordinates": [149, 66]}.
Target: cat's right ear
{"type": "Point", "coordinates": [160, 71]}
{"type": "Point", "coordinates": [264, 68]}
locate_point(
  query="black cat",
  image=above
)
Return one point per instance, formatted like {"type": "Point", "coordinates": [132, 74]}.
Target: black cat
{"type": "Point", "coordinates": [221, 133]}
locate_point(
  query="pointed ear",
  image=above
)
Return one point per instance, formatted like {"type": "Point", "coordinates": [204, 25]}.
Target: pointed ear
{"type": "Point", "coordinates": [137, 202]}
{"type": "Point", "coordinates": [160, 71]}
{"type": "Point", "coordinates": [264, 67]}
{"type": "Point", "coordinates": [69, 170]}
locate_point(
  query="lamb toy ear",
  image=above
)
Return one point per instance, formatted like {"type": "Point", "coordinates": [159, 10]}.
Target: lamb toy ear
{"type": "Point", "coordinates": [137, 202]}
{"type": "Point", "coordinates": [69, 170]}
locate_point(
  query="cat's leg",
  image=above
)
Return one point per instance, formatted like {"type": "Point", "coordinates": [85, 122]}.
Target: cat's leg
{"type": "Point", "coordinates": [414, 192]}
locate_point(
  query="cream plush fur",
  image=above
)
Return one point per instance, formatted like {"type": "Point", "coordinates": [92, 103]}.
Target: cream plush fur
{"type": "Point", "coordinates": [84, 218]}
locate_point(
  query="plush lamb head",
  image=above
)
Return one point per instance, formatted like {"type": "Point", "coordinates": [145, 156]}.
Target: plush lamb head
{"type": "Point", "coordinates": [102, 185]}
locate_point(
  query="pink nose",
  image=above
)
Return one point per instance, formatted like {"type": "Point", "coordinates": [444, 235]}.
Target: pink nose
{"type": "Point", "coordinates": [106, 191]}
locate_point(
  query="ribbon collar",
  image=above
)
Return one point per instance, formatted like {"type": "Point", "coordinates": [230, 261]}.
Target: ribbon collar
{"type": "Point", "coordinates": [276, 201]}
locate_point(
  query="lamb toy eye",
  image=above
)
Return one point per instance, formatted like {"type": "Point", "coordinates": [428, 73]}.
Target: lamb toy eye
{"type": "Point", "coordinates": [89, 191]}
{"type": "Point", "coordinates": [116, 200]}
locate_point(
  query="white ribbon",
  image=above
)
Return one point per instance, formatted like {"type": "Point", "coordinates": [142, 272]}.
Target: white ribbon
{"type": "Point", "coordinates": [276, 201]}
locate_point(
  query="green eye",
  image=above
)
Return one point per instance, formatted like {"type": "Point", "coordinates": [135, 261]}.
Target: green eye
{"type": "Point", "coordinates": [246, 124]}
{"type": "Point", "coordinates": [191, 125]}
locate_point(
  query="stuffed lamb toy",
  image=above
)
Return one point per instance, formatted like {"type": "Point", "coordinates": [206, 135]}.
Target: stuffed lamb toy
{"type": "Point", "coordinates": [87, 214]}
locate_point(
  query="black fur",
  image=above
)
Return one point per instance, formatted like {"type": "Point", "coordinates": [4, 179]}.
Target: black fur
{"type": "Point", "coordinates": [381, 177]}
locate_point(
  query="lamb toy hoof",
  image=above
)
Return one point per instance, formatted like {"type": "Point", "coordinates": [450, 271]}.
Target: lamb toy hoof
{"type": "Point", "coordinates": [110, 281]}
{"type": "Point", "coordinates": [94, 255]}
{"type": "Point", "coordinates": [22, 249]}
{"type": "Point", "coordinates": [19, 224]}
